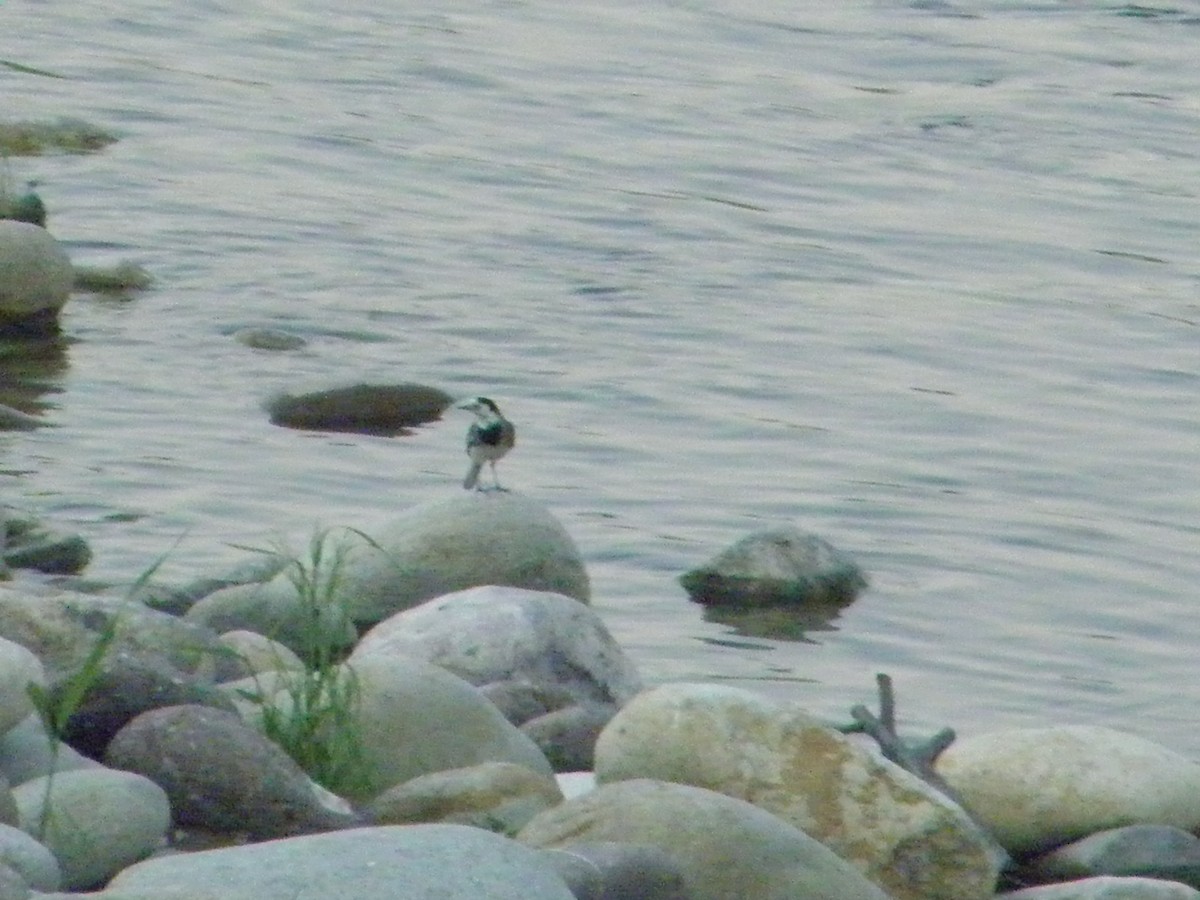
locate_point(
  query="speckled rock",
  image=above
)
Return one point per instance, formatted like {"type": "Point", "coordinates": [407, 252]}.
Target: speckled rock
{"type": "Point", "coordinates": [449, 862]}
{"type": "Point", "coordinates": [775, 566]}
{"type": "Point", "coordinates": [1036, 788]}
{"type": "Point", "coordinates": [904, 835]}
{"type": "Point", "coordinates": [260, 653]}
{"type": "Point", "coordinates": [222, 775]}
{"type": "Point", "coordinates": [126, 685]}
{"type": "Point", "coordinates": [62, 627]}
{"type": "Point", "coordinates": [724, 847]}
{"type": "Point", "coordinates": [500, 797]}
{"type": "Point", "coordinates": [489, 634]}
{"type": "Point", "coordinates": [98, 821]}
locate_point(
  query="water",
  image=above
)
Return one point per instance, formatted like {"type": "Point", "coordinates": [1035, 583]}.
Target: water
{"type": "Point", "coordinates": [920, 278]}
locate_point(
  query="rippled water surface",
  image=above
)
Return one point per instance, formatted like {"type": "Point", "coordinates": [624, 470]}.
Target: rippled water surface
{"type": "Point", "coordinates": [921, 278]}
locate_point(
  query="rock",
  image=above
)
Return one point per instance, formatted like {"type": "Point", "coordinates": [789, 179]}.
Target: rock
{"type": "Point", "coordinates": [904, 835]}
{"type": "Point", "coordinates": [385, 409]}
{"type": "Point", "coordinates": [15, 420]}
{"type": "Point", "coordinates": [98, 821]}
{"type": "Point", "coordinates": [774, 566]}
{"type": "Point", "coordinates": [35, 278]}
{"type": "Point", "coordinates": [498, 796]}
{"type": "Point", "coordinates": [1036, 788]}
{"type": "Point", "coordinates": [32, 861]}
{"type": "Point", "coordinates": [269, 339]}
{"type": "Point", "coordinates": [26, 208]}
{"type": "Point", "coordinates": [62, 627]}
{"type": "Point", "coordinates": [449, 862]}
{"type": "Point", "coordinates": [261, 654]}
{"type": "Point", "coordinates": [9, 814]}
{"type": "Point", "coordinates": [616, 870]}
{"type": "Point", "coordinates": [521, 701]}
{"type": "Point", "coordinates": [29, 544]}
{"type": "Point", "coordinates": [470, 539]}
{"type": "Point", "coordinates": [275, 610]}
{"type": "Point", "coordinates": [414, 718]}
{"type": "Point", "coordinates": [222, 775]}
{"type": "Point", "coordinates": [723, 846]}
{"type": "Point", "coordinates": [25, 753]}
{"type": "Point", "coordinates": [18, 669]}
{"type": "Point", "coordinates": [489, 634]}
{"type": "Point", "coordinates": [1108, 888]}
{"type": "Point", "coordinates": [568, 736]}
{"type": "Point", "coordinates": [124, 686]}
{"type": "Point", "coordinates": [1153, 851]}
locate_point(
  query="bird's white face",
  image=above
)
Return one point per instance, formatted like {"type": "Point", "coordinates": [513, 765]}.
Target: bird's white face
{"type": "Point", "coordinates": [479, 406]}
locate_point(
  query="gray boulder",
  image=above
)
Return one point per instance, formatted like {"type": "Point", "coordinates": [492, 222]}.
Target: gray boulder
{"type": "Point", "coordinates": [35, 278]}
{"type": "Point", "coordinates": [415, 862]}
{"type": "Point", "coordinates": [1036, 788]}
{"type": "Point", "coordinates": [1152, 851]}
{"type": "Point", "coordinates": [724, 847]}
{"type": "Point", "coordinates": [221, 775]}
{"type": "Point", "coordinates": [31, 860]}
{"type": "Point", "coordinates": [1108, 888]}
{"type": "Point", "coordinates": [776, 566]}
{"type": "Point", "coordinates": [502, 634]}
{"type": "Point", "coordinates": [498, 796]}
{"type": "Point", "coordinates": [618, 870]}
{"type": "Point", "coordinates": [413, 718]}
{"type": "Point", "coordinates": [95, 821]}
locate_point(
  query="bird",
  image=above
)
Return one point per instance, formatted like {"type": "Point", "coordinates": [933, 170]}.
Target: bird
{"type": "Point", "coordinates": [489, 438]}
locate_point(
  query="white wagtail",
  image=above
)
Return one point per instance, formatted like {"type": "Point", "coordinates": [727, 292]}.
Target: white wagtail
{"type": "Point", "coordinates": [488, 439]}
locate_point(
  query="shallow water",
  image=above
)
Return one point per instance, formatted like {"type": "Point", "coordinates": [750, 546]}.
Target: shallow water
{"type": "Point", "coordinates": [920, 278]}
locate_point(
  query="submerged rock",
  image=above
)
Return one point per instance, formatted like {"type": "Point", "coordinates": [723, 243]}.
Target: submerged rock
{"type": "Point", "coordinates": [775, 566]}
{"type": "Point", "coordinates": [385, 409]}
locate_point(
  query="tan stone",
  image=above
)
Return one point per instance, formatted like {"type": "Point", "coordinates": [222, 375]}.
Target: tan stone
{"type": "Point", "coordinates": [904, 835]}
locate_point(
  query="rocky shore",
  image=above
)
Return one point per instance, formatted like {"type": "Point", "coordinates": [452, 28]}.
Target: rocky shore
{"type": "Point", "coordinates": [433, 709]}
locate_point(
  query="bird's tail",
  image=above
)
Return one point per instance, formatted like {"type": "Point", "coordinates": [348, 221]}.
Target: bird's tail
{"type": "Point", "coordinates": [472, 475]}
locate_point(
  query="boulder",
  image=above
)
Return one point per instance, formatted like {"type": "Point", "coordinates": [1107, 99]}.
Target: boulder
{"type": "Point", "coordinates": [1036, 788]}
{"type": "Point", "coordinates": [495, 634]}
{"type": "Point", "coordinates": [723, 847]}
{"type": "Point", "coordinates": [449, 862]}
{"type": "Point", "coordinates": [901, 833]}
{"type": "Point", "coordinates": [616, 869]}
{"type": "Point", "coordinates": [221, 775]}
{"type": "Point", "coordinates": [31, 860]}
{"type": "Point", "coordinates": [35, 278]}
{"type": "Point", "coordinates": [776, 566]}
{"type": "Point", "coordinates": [19, 668]}
{"type": "Point", "coordinates": [386, 409]}
{"type": "Point", "coordinates": [96, 821]}
{"type": "Point", "coordinates": [1108, 888]}
{"type": "Point", "coordinates": [62, 627]}
{"type": "Point", "coordinates": [1152, 851]}
{"type": "Point", "coordinates": [498, 796]}
{"type": "Point", "coordinates": [414, 718]}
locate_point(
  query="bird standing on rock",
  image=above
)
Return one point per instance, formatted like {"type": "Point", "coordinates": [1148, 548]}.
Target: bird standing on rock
{"type": "Point", "coordinates": [489, 438]}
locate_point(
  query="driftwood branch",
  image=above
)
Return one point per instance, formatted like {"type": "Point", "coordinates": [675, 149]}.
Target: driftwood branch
{"type": "Point", "coordinates": [916, 757]}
